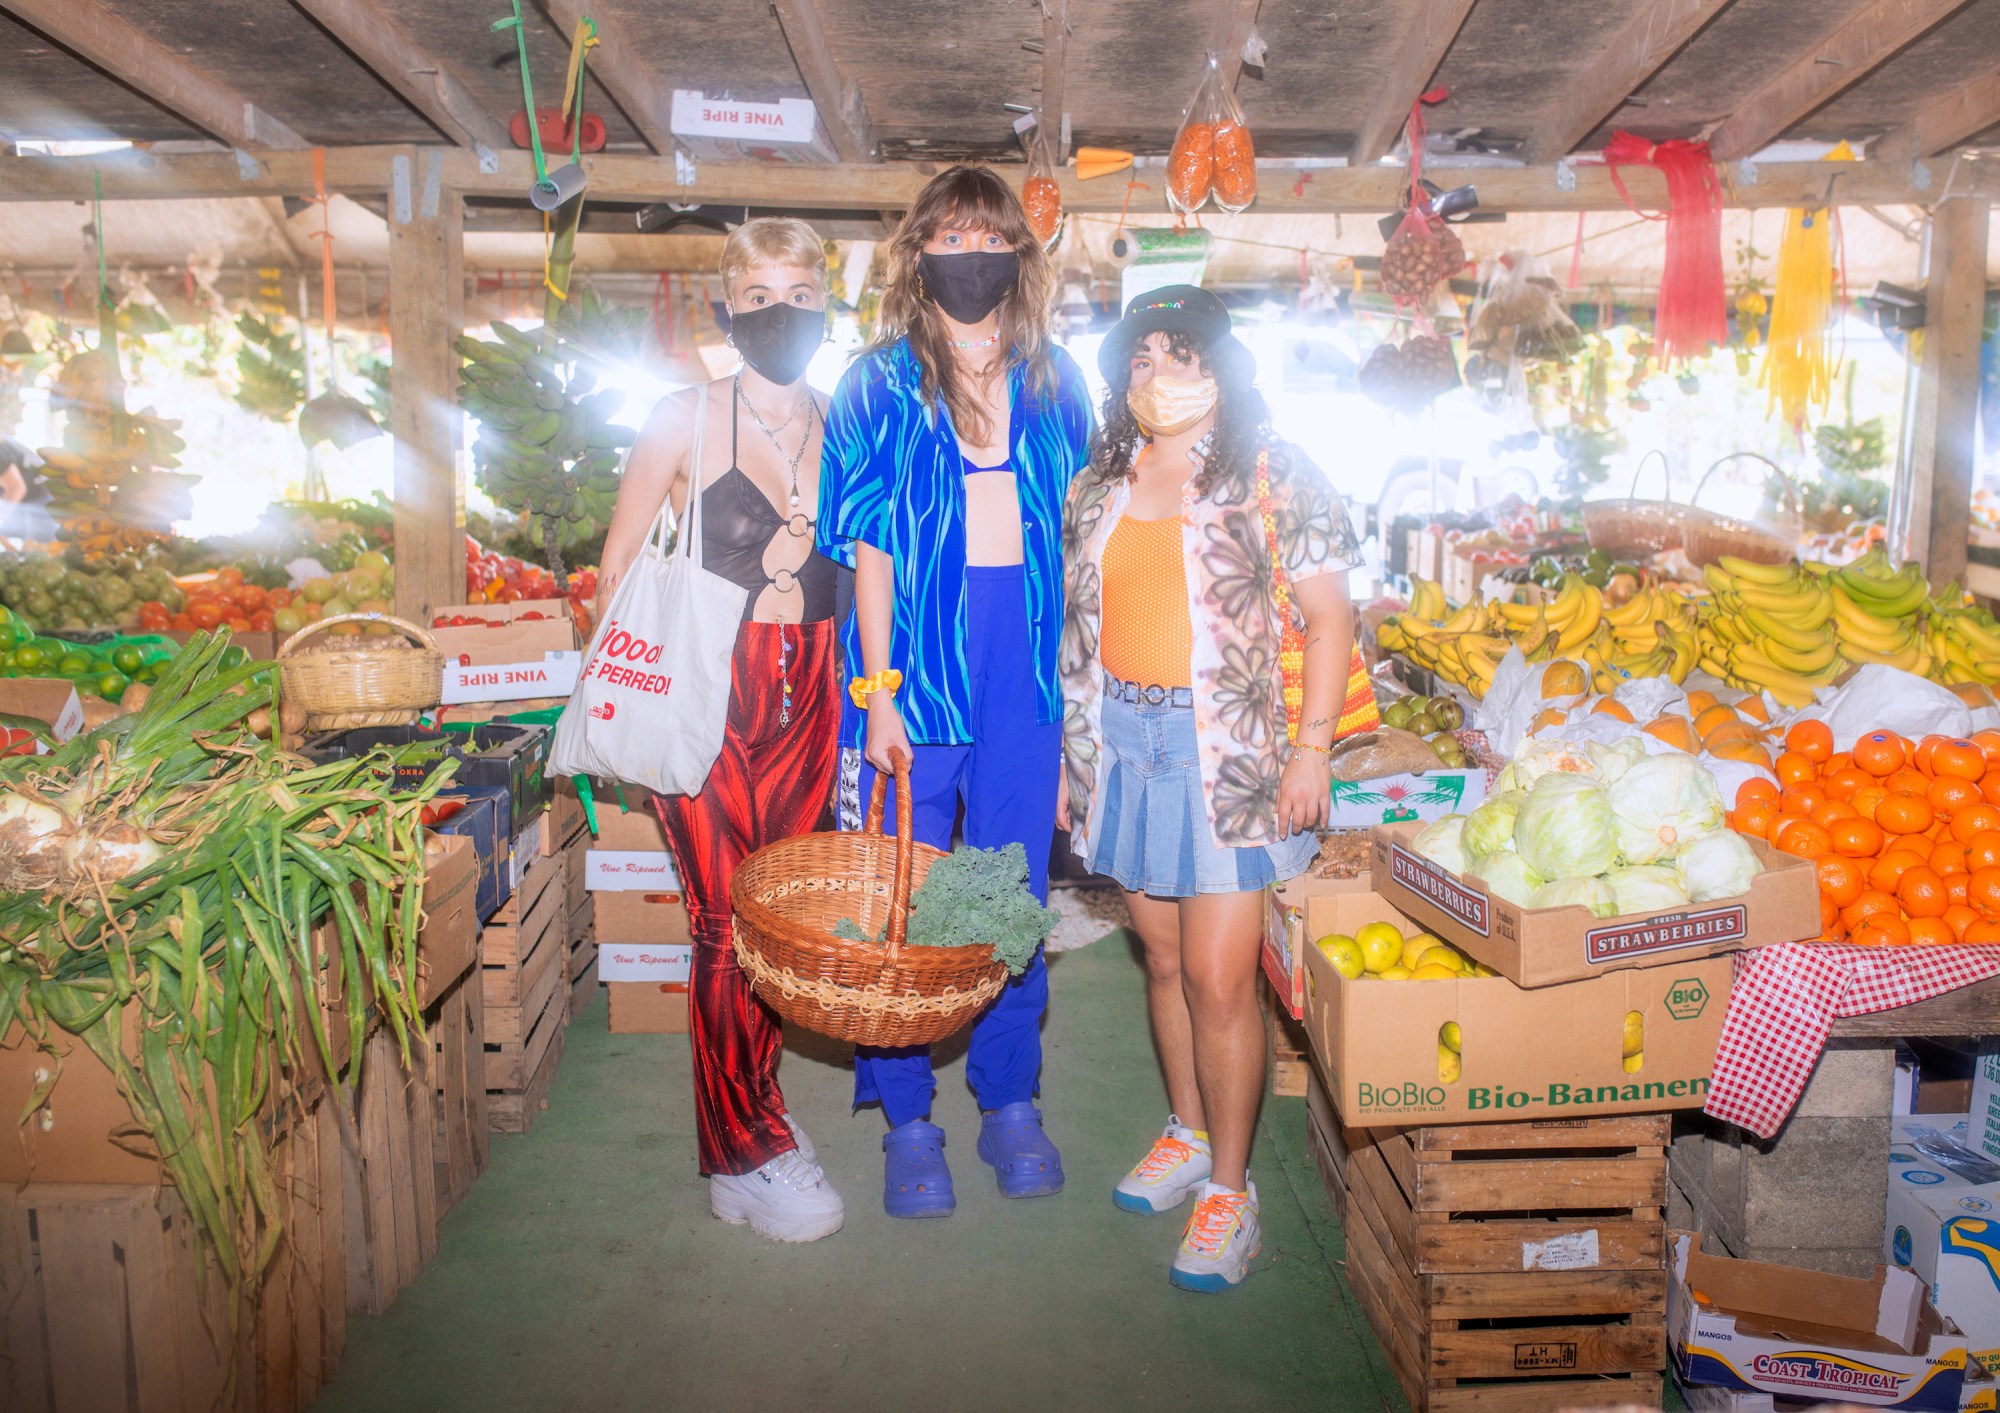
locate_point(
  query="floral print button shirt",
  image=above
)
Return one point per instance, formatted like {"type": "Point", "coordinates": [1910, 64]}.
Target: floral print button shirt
{"type": "Point", "coordinates": [1238, 702]}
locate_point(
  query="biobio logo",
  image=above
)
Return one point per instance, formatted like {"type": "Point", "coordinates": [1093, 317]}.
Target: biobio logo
{"type": "Point", "coordinates": [623, 646]}
{"type": "Point", "coordinates": [1687, 998]}
{"type": "Point", "coordinates": [1409, 1097]}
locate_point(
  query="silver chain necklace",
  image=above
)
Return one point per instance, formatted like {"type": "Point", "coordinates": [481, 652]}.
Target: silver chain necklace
{"type": "Point", "coordinates": [792, 458]}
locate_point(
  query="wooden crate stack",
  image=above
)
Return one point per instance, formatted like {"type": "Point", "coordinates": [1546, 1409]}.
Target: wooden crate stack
{"type": "Point", "coordinates": [391, 1174]}
{"type": "Point", "coordinates": [579, 922]}
{"type": "Point", "coordinates": [1291, 1061]}
{"type": "Point", "coordinates": [523, 954]}
{"type": "Point", "coordinates": [102, 1311]}
{"type": "Point", "coordinates": [457, 1026]}
{"type": "Point", "coordinates": [1509, 1266]}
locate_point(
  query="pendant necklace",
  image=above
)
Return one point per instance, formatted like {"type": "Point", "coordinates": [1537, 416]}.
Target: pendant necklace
{"type": "Point", "coordinates": [792, 458]}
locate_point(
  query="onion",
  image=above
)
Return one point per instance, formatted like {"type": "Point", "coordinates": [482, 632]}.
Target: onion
{"type": "Point", "coordinates": [109, 853]}
{"type": "Point", "coordinates": [32, 840]}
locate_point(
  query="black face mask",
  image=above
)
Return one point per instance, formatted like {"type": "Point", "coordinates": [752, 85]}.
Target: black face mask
{"type": "Point", "coordinates": [778, 340]}
{"type": "Point", "coordinates": [970, 286]}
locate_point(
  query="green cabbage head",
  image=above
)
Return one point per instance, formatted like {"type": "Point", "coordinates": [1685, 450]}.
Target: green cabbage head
{"type": "Point", "coordinates": [1490, 827]}
{"type": "Point", "coordinates": [1566, 828]}
{"type": "Point", "coordinates": [1718, 865]}
{"type": "Point", "coordinates": [1662, 803]}
{"type": "Point", "coordinates": [1439, 841]}
{"type": "Point", "coordinates": [1507, 875]}
{"type": "Point", "coordinates": [1646, 888]}
{"type": "Point", "coordinates": [1592, 893]}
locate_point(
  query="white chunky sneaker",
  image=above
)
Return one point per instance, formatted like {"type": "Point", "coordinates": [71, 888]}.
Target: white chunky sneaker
{"type": "Point", "coordinates": [1220, 1240]}
{"type": "Point", "coordinates": [788, 1199]}
{"type": "Point", "coordinates": [1178, 1164]}
{"type": "Point", "coordinates": [806, 1149]}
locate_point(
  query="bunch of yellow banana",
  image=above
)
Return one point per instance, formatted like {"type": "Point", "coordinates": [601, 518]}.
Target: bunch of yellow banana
{"type": "Point", "coordinates": [1770, 627]}
{"type": "Point", "coordinates": [1463, 646]}
{"type": "Point", "coordinates": [1963, 641]}
{"type": "Point", "coordinates": [1651, 620]}
{"type": "Point", "coordinates": [1875, 613]}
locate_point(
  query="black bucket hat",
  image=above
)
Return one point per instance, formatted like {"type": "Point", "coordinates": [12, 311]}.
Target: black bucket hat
{"type": "Point", "coordinates": [1177, 309]}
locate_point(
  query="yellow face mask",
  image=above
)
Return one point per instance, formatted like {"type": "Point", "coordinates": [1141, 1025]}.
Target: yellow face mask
{"type": "Point", "coordinates": [1169, 405]}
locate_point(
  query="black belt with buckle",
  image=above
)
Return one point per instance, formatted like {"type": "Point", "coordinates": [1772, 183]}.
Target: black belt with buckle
{"type": "Point", "coordinates": [1121, 691]}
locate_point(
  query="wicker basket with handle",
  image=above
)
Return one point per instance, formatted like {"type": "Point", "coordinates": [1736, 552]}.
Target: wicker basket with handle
{"type": "Point", "coordinates": [342, 688]}
{"type": "Point", "coordinates": [1632, 526]}
{"type": "Point", "coordinates": [1771, 538]}
{"type": "Point", "coordinates": [789, 895]}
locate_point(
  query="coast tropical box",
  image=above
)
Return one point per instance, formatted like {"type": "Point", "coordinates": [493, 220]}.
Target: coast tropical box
{"type": "Point", "coordinates": [1555, 1052]}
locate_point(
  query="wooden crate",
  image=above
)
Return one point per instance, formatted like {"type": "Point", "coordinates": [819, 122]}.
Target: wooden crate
{"type": "Point", "coordinates": [524, 958]}
{"type": "Point", "coordinates": [391, 1177]}
{"type": "Point", "coordinates": [458, 1049]}
{"type": "Point", "coordinates": [1291, 1062]}
{"type": "Point", "coordinates": [1324, 1141]}
{"type": "Point", "coordinates": [513, 1110]}
{"type": "Point", "coordinates": [1470, 1250]}
{"type": "Point", "coordinates": [101, 1310]}
{"type": "Point", "coordinates": [580, 971]}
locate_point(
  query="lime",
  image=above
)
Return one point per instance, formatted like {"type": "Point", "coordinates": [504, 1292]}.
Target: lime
{"type": "Point", "coordinates": [29, 658]}
{"type": "Point", "coordinates": [128, 659]}
{"type": "Point", "coordinates": [111, 685]}
{"type": "Point", "coordinates": [73, 665]}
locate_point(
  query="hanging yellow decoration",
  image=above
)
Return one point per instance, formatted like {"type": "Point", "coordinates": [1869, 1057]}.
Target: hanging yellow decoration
{"type": "Point", "coordinates": [1798, 369]}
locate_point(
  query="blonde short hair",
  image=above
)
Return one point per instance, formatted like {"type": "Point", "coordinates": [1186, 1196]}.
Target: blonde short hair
{"type": "Point", "coordinates": [773, 240]}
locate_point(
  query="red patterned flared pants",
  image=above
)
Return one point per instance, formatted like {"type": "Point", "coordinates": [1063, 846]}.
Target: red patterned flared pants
{"type": "Point", "coordinates": [771, 781]}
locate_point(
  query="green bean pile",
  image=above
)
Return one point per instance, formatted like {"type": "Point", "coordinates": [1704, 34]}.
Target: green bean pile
{"type": "Point", "coordinates": [183, 867]}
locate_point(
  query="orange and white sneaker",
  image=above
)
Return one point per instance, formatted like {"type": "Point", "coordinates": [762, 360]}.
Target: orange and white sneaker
{"type": "Point", "coordinates": [1220, 1241]}
{"type": "Point", "coordinates": [1178, 1164]}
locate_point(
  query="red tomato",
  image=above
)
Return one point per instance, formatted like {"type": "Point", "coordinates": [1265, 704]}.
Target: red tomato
{"type": "Point", "coordinates": [261, 620]}
{"type": "Point", "coordinates": [277, 599]}
{"type": "Point", "coordinates": [229, 576]}
{"type": "Point", "coordinates": [249, 598]}
{"type": "Point", "coordinates": [206, 614]}
{"type": "Point", "coordinates": [239, 625]}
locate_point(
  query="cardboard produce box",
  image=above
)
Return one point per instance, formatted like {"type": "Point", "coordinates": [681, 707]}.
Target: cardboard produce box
{"type": "Point", "coordinates": [509, 651]}
{"type": "Point", "coordinates": [1984, 1119]}
{"type": "Point", "coordinates": [1544, 946]}
{"type": "Point", "coordinates": [449, 940]}
{"type": "Point", "coordinates": [515, 758]}
{"type": "Point", "coordinates": [50, 700]}
{"type": "Point", "coordinates": [1397, 798]}
{"type": "Point", "coordinates": [1875, 1343]}
{"type": "Point", "coordinates": [483, 820]}
{"type": "Point", "coordinates": [647, 1008]}
{"type": "Point", "coordinates": [656, 919]}
{"type": "Point", "coordinates": [1944, 1224]}
{"type": "Point", "coordinates": [733, 130]}
{"type": "Point", "coordinates": [1286, 940]}
{"type": "Point", "coordinates": [1555, 1052]}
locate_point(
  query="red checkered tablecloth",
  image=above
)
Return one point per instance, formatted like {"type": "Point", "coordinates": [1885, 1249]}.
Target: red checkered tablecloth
{"type": "Point", "coordinates": [1784, 1001]}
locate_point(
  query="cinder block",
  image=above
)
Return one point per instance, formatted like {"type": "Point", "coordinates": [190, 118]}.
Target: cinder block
{"type": "Point", "coordinates": [1836, 1261]}
{"type": "Point", "coordinates": [1823, 1183]}
{"type": "Point", "coordinates": [1852, 1080]}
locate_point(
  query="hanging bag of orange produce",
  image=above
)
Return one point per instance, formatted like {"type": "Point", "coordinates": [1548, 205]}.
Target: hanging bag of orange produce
{"type": "Point", "coordinates": [1422, 251]}
{"type": "Point", "coordinates": [1212, 154]}
{"type": "Point", "coordinates": [1041, 197]}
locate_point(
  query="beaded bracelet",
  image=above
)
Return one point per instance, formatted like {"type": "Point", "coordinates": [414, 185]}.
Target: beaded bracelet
{"type": "Point", "coordinates": [862, 688]}
{"type": "Point", "coordinates": [1326, 751]}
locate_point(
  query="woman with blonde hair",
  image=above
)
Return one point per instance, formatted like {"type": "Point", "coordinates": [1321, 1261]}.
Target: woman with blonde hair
{"type": "Point", "coordinates": [748, 445]}
{"type": "Point", "coordinates": [950, 444]}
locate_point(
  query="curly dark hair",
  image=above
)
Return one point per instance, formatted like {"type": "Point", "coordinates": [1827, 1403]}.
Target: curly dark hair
{"type": "Point", "coordinates": [1242, 418]}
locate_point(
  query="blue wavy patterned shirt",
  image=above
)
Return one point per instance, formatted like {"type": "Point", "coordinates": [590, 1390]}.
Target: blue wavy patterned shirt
{"type": "Point", "coordinates": [892, 475]}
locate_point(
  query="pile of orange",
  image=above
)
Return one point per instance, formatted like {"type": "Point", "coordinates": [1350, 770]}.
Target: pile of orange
{"type": "Point", "coordinates": [1738, 731]}
{"type": "Point", "coordinates": [1906, 835]}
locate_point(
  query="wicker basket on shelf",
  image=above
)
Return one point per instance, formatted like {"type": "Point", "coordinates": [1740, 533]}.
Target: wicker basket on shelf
{"type": "Point", "coordinates": [342, 688]}
{"type": "Point", "coordinates": [789, 896]}
{"type": "Point", "coordinates": [1709, 536]}
{"type": "Point", "coordinates": [1630, 526]}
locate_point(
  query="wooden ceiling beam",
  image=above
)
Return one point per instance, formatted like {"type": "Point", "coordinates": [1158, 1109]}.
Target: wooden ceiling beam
{"type": "Point", "coordinates": [1633, 55]}
{"type": "Point", "coordinates": [140, 62]}
{"type": "Point", "coordinates": [1945, 121]}
{"type": "Point", "coordinates": [1835, 63]}
{"type": "Point", "coordinates": [1055, 58]}
{"type": "Point", "coordinates": [389, 52]}
{"type": "Point", "coordinates": [1417, 58]}
{"type": "Point", "coordinates": [889, 186]}
{"type": "Point", "coordinates": [837, 98]}
{"type": "Point", "coordinates": [646, 105]}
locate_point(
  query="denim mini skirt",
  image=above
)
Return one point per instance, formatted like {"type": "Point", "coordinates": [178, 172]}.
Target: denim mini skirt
{"type": "Point", "coordinates": [1153, 834]}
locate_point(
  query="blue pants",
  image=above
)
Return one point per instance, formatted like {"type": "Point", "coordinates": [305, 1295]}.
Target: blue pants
{"type": "Point", "coordinates": [1006, 780]}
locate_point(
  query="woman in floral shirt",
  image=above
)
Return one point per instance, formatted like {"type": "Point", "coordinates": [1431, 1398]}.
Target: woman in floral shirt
{"type": "Point", "coordinates": [1182, 784]}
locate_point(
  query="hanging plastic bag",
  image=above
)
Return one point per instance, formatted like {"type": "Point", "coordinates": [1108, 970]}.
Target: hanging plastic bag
{"type": "Point", "coordinates": [1212, 153]}
{"type": "Point", "coordinates": [1041, 197]}
{"type": "Point", "coordinates": [1422, 253]}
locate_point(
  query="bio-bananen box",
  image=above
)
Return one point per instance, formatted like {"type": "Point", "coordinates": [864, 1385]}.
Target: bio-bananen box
{"type": "Point", "coordinates": [1421, 1045]}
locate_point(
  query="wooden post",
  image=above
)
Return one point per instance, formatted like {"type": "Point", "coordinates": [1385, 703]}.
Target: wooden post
{"type": "Point", "coordinates": [426, 312]}
{"type": "Point", "coordinates": [1940, 440]}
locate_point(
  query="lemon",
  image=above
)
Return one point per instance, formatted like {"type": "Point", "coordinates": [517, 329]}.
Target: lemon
{"type": "Point", "coordinates": [1635, 1063]}
{"type": "Point", "coordinates": [1635, 1033]}
{"type": "Point", "coordinates": [1432, 971]}
{"type": "Point", "coordinates": [1381, 945]}
{"type": "Point", "coordinates": [1481, 969]}
{"type": "Point", "coordinates": [1398, 973]}
{"type": "Point", "coordinates": [1344, 952]}
{"type": "Point", "coordinates": [1451, 1037]}
{"type": "Point", "coordinates": [1440, 956]}
{"type": "Point", "coordinates": [1414, 947]}
{"type": "Point", "coordinates": [1449, 1065]}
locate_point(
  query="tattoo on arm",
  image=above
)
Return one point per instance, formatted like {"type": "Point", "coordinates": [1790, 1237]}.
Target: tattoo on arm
{"type": "Point", "coordinates": [1319, 721]}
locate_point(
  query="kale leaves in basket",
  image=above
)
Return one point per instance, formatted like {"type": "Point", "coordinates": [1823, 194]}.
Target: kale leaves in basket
{"type": "Point", "coordinates": [974, 895]}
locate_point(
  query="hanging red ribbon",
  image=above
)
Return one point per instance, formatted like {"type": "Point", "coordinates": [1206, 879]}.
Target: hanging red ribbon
{"type": "Point", "coordinates": [1417, 131]}
{"type": "Point", "coordinates": [1691, 315]}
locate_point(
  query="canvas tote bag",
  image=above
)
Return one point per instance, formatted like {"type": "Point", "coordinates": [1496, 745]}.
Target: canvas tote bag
{"type": "Point", "coordinates": [653, 699]}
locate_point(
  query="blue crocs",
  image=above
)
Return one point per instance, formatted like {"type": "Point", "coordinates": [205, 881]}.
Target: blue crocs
{"type": "Point", "coordinates": [1023, 1159]}
{"type": "Point", "coordinates": [915, 1180]}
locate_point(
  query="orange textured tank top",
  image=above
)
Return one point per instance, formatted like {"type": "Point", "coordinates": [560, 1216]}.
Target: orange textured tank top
{"type": "Point", "coordinates": [1145, 635]}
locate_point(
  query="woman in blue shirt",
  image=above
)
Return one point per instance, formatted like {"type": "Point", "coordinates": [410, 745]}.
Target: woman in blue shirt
{"type": "Point", "coordinates": [950, 445]}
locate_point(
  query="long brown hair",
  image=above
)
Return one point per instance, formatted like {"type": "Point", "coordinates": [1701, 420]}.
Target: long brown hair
{"type": "Point", "coordinates": [968, 198]}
